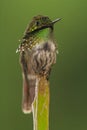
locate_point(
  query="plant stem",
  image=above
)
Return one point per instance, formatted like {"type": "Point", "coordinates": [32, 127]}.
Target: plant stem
{"type": "Point", "coordinates": [41, 106]}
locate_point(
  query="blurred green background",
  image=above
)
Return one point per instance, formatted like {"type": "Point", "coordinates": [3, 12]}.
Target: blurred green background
{"type": "Point", "coordinates": [68, 107]}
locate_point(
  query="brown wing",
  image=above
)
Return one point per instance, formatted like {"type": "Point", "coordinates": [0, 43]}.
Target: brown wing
{"type": "Point", "coordinates": [29, 83]}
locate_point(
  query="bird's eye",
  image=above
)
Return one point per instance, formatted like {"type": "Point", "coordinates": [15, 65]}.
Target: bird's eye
{"type": "Point", "coordinates": [37, 23]}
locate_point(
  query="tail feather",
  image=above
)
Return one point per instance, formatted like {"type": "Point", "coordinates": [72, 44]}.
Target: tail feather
{"type": "Point", "coordinates": [28, 95]}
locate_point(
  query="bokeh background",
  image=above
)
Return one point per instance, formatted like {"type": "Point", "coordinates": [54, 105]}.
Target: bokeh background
{"type": "Point", "coordinates": [68, 81]}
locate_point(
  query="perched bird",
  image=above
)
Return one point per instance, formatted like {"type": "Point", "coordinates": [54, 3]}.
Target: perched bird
{"type": "Point", "coordinates": [37, 55]}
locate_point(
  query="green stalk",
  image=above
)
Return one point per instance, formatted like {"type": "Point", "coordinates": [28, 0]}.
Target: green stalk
{"type": "Point", "coordinates": [41, 106]}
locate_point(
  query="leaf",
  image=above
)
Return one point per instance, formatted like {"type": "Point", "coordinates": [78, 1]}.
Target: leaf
{"type": "Point", "coordinates": [41, 106]}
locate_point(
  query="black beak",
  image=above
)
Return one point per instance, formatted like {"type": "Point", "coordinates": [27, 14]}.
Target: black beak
{"type": "Point", "coordinates": [58, 19]}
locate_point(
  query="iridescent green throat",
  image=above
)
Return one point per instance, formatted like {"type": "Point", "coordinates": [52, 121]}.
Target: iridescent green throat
{"type": "Point", "coordinates": [35, 38]}
{"type": "Point", "coordinates": [41, 35]}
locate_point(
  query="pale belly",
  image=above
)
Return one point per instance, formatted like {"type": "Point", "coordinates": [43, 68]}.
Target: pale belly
{"type": "Point", "coordinates": [43, 57]}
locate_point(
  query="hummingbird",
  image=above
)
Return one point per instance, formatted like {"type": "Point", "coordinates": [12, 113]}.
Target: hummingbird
{"type": "Point", "coordinates": [38, 52]}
